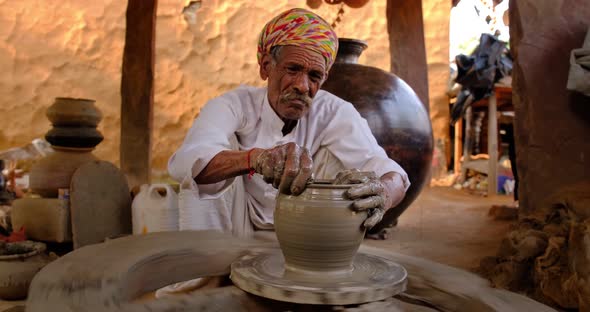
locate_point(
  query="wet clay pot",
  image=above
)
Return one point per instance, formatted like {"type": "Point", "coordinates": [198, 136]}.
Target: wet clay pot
{"type": "Point", "coordinates": [67, 112]}
{"type": "Point", "coordinates": [317, 230]}
{"type": "Point", "coordinates": [55, 171]}
{"type": "Point", "coordinates": [19, 262]}
{"type": "Point", "coordinates": [396, 116]}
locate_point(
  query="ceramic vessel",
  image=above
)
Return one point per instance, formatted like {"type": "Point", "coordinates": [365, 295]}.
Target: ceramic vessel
{"type": "Point", "coordinates": [355, 4]}
{"type": "Point", "coordinates": [317, 230]}
{"type": "Point", "coordinates": [73, 112]}
{"type": "Point", "coordinates": [77, 137]}
{"type": "Point", "coordinates": [55, 171]}
{"type": "Point", "coordinates": [396, 116]}
{"type": "Point", "coordinates": [19, 262]}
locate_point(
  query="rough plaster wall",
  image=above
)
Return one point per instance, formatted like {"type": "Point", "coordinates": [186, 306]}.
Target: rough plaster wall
{"type": "Point", "coordinates": [74, 48]}
{"type": "Point", "coordinates": [436, 32]}
{"type": "Point", "coordinates": [197, 62]}
{"type": "Point", "coordinates": [56, 48]}
{"type": "Point", "coordinates": [552, 124]}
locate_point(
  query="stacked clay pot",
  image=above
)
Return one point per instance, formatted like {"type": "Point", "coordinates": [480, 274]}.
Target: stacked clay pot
{"type": "Point", "coordinates": [73, 137]}
{"type": "Point", "coordinates": [395, 114]}
{"type": "Point", "coordinates": [74, 123]}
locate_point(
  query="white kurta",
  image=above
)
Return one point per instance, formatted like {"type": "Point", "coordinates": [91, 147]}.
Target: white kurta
{"type": "Point", "coordinates": [334, 132]}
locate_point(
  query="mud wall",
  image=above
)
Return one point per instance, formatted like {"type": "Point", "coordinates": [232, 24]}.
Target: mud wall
{"type": "Point", "coordinates": [552, 124]}
{"type": "Point", "coordinates": [74, 48]}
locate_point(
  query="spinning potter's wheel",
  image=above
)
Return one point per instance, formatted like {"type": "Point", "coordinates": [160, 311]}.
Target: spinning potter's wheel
{"type": "Point", "coordinates": [110, 276]}
{"type": "Point", "coordinates": [372, 278]}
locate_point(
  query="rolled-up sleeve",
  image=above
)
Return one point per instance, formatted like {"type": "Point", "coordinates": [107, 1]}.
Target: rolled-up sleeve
{"type": "Point", "coordinates": [358, 148]}
{"type": "Point", "coordinates": [210, 134]}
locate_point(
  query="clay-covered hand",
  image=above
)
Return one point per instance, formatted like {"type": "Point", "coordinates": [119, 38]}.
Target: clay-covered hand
{"type": "Point", "coordinates": [371, 193]}
{"type": "Point", "coordinates": [288, 167]}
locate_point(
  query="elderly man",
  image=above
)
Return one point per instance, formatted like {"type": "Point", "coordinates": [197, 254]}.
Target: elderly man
{"type": "Point", "coordinates": [250, 143]}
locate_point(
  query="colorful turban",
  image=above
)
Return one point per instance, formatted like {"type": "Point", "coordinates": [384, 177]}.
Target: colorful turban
{"type": "Point", "coordinates": [301, 28]}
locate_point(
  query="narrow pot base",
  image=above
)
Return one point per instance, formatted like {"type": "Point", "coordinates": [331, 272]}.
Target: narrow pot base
{"type": "Point", "coordinates": [372, 278]}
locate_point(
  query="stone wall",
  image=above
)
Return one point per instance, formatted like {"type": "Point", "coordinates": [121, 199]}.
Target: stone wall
{"type": "Point", "coordinates": [74, 48]}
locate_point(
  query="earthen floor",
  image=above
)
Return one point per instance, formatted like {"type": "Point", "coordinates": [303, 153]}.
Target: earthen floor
{"type": "Point", "coordinates": [448, 226]}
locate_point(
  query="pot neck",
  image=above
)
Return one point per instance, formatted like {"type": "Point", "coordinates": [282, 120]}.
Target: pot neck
{"type": "Point", "coordinates": [349, 50]}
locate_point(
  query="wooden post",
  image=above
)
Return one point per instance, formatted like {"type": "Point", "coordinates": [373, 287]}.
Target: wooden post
{"type": "Point", "coordinates": [458, 146]}
{"type": "Point", "coordinates": [406, 45]}
{"type": "Point", "coordinates": [468, 145]}
{"type": "Point", "coordinates": [492, 145]}
{"type": "Point", "coordinates": [137, 91]}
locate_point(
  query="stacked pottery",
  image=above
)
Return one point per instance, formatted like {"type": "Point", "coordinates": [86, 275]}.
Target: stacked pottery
{"type": "Point", "coordinates": [73, 137]}
{"type": "Point", "coordinates": [396, 116]}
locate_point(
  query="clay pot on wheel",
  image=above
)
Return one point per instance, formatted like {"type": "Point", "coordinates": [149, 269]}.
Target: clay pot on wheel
{"type": "Point", "coordinates": [55, 171]}
{"type": "Point", "coordinates": [19, 262]}
{"type": "Point", "coordinates": [317, 230]}
{"type": "Point", "coordinates": [396, 116]}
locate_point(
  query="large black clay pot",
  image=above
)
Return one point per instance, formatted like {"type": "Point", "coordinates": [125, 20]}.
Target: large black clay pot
{"type": "Point", "coordinates": [396, 116]}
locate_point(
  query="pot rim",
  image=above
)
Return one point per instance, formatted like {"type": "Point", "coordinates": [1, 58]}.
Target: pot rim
{"type": "Point", "coordinates": [65, 98]}
{"type": "Point", "coordinates": [359, 42]}
{"type": "Point", "coordinates": [327, 184]}
{"type": "Point", "coordinates": [37, 248]}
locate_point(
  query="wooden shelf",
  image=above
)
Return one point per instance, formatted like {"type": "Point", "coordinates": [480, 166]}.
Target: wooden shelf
{"type": "Point", "coordinates": [500, 100]}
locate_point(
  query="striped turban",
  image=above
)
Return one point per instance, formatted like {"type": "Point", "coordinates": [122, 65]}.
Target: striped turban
{"type": "Point", "coordinates": [301, 28]}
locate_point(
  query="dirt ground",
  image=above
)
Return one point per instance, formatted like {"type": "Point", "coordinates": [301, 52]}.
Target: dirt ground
{"type": "Point", "coordinates": [448, 226]}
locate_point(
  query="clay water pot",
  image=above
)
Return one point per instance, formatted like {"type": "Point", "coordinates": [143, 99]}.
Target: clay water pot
{"type": "Point", "coordinates": [66, 112]}
{"type": "Point", "coordinates": [19, 262]}
{"type": "Point", "coordinates": [317, 230]}
{"type": "Point", "coordinates": [396, 116]}
{"type": "Point", "coordinates": [55, 171]}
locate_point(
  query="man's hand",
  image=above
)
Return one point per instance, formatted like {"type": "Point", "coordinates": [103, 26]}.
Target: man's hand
{"type": "Point", "coordinates": [288, 167]}
{"type": "Point", "coordinates": [375, 195]}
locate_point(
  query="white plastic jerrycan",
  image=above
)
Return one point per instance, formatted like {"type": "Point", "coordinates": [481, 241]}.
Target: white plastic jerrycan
{"type": "Point", "coordinates": [155, 209]}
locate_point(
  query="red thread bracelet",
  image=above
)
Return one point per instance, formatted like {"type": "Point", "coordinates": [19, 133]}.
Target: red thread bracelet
{"type": "Point", "coordinates": [251, 170]}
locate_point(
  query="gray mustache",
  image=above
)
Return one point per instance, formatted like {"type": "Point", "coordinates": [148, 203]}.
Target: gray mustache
{"type": "Point", "coordinates": [296, 96]}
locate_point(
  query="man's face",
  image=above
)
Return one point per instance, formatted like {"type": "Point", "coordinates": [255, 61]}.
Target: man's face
{"type": "Point", "coordinates": [293, 80]}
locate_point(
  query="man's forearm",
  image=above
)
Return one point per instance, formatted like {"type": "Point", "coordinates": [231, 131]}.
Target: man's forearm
{"type": "Point", "coordinates": [393, 184]}
{"type": "Point", "coordinates": [226, 165]}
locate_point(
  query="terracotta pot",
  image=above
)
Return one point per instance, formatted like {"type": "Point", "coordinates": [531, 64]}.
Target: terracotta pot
{"type": "Point", "coordinates": [317, 230]}
{"type": "Point", "coordinates": [19, 262]}
{"type": "Point", "coordinates": [74, 136]}
{"type": "Point", "coordinates": [55, 171]}
{"type": "Point", "coordinates": [356, 3]}
{"type": "Point", "coordinates": [396, 116]}
{"type": "Point", "coordinates": [73, 112]}
{"type": "Point", "coordinates": [314, 4]}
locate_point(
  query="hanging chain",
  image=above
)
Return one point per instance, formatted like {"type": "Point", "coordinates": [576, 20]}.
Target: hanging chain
{"type": "Point", "coordinates": [339, 14]}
